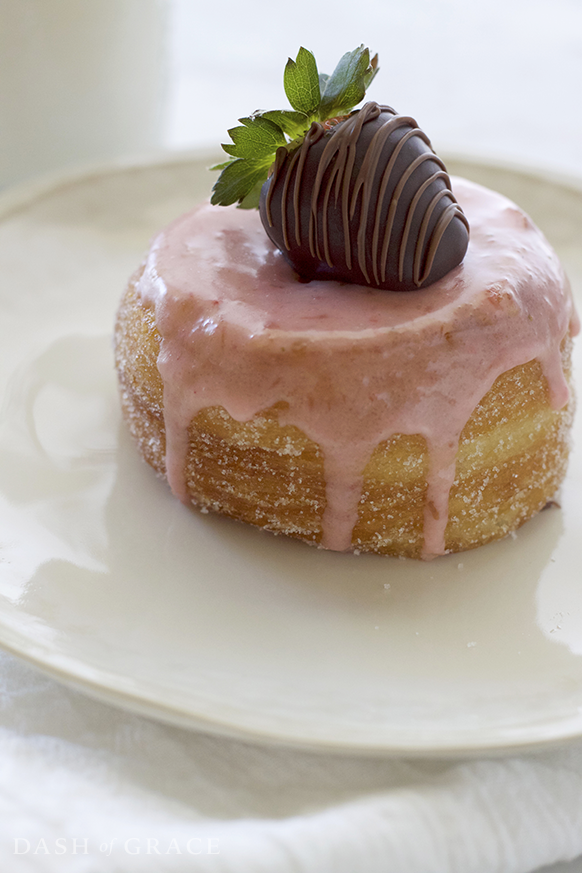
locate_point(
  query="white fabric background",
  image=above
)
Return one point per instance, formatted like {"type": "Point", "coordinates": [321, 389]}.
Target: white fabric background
{"type": "Point", "coordinates": [106, 782]}
{"type": "Point", "coordinates": [497, 78]}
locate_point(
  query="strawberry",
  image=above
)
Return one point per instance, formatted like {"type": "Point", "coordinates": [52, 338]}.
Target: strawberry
{"type": "Point", "coordinates": [353, 195]}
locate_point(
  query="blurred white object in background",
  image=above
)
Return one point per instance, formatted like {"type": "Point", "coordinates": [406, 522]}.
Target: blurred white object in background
{"type": "Point", "coordinates": [80, 81]}
{"type": "Point", "coordinates": [499, 79]}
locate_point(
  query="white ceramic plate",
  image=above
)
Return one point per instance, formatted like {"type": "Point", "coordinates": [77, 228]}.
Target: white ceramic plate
{"type": "Point", "coordinates": [108, 583]}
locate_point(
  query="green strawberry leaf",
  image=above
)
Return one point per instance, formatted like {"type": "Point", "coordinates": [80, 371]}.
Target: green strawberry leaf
{"type": "Point", "coordinates": [252, 199]}
{"type": "Point", "coordinates": [221, 166]}
{"type": "Point", "coordinates": [301, 82]}
{"type": "Point", "coordinates": [237, 181]}
{"type": "Point", "coordinates": [314, 96]}
{"type": "Point", "coordinates": [294, 124]}
{"type": "Point", "coordinates": [370, 73]}
{"type": "Point", "coordinates": [347, 84]}
{"type": "Point", "coordinates": [258, 138]}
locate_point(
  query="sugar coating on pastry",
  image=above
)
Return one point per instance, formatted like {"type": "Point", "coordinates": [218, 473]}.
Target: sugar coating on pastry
{"type": "Point", "coordinates": [349, 416]}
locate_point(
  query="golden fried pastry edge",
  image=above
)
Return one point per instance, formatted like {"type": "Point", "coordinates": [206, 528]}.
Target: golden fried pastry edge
{"type": "Point", "coordinates": [511, 460]}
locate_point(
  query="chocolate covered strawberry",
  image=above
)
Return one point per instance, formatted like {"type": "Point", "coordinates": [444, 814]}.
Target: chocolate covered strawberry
{"type": "Point", "coordinates": [353, 195]}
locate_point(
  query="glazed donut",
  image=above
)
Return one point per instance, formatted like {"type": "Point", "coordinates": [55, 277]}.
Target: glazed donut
{"type": "Point", "coordinates": [354, 418]}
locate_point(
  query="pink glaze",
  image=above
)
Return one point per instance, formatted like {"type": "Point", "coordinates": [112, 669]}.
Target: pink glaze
{"type": "Point", "coordinates": [355, 365]}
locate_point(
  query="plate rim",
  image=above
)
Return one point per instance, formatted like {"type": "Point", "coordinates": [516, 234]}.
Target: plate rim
{"type": "Point", "coordinates": [18, 196]}
{"type": "Point", "coordinates": [107, 688]}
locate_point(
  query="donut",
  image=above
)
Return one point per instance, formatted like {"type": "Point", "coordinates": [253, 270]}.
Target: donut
{"type": "Point", "coordinates": [354, 417]}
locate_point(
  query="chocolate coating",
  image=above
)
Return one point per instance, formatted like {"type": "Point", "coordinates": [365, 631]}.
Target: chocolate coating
{"type": "Point", "coordinates": [366, 202]}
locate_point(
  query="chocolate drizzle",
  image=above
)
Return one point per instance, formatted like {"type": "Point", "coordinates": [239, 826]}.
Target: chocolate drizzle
{"type": "Point", "coordinates": [366, 201]}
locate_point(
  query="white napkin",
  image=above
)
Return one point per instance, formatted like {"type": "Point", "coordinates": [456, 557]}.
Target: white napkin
{"type": "Point", "coordinates": [87, 788]}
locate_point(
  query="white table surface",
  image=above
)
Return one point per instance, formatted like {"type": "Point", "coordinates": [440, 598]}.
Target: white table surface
{"type": "Point", "coordinates": [499, 79]}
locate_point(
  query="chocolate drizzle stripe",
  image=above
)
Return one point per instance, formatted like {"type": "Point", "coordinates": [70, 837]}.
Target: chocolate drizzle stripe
{"type": "Point", "coordinates": [365, 183]}
{"type": "Point", "coordinates": [342, 143]}
{"type": "Point", "coordinates": [369, 166]}
{"type": "Point", "coordinates": [349, 157]}
{"type": "Point", "coordinates": [341, 175]}
{"type": "Point", "coordinates": [441, 174]}
{"type": "Point", "coordinates": [418, 252]}
{"type": "Point", "coordinates": [370, 111]}
{"type": "Point", "coordinates": [386, 177]}
{"type": "Point", "coordinates": [326, 251]}
{"type": "Point", "coordinates": [324, 162]}
{"type": "Point", "coordinates": [314, 133]}
{"type": "Point", "coordinates": [427, 156]}
{"type": "Point", "coordinates": [452, 211]}
{"type": "Point", "coordinates": [294, 159]}
{"type": "Point", "coordinates": [280, 158]}
{"type": "Point", "coordinates": [313, 215]}
{"type": "Point", "coordinates": [296, 190]}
